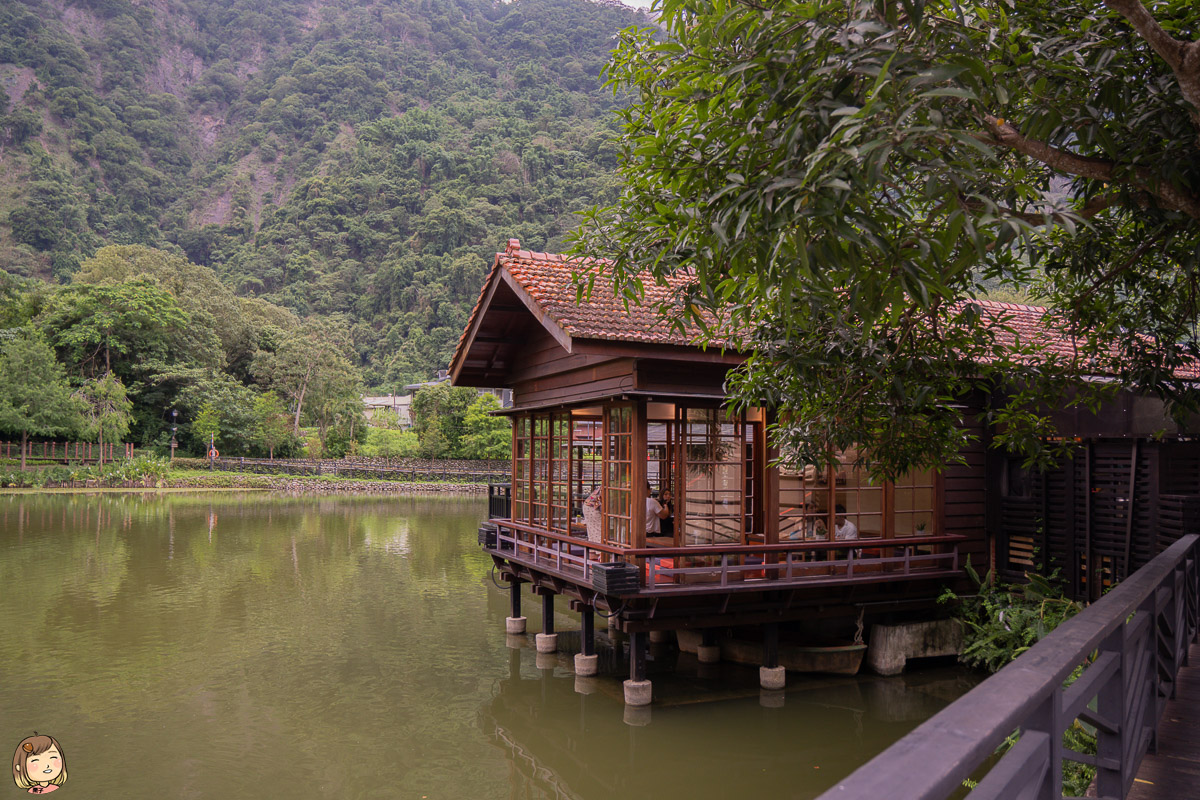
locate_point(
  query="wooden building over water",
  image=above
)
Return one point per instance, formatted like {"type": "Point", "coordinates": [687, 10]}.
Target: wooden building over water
{"type": "Point", "coordinates": [613, 405]}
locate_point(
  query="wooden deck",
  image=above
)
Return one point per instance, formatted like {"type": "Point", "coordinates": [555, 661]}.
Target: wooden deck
{"type": "Point", "coordinates": [1173, 773]}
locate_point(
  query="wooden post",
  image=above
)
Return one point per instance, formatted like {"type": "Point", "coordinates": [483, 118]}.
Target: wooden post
{"type": "Point", "coordinates": [770, 656]}
{"type": "Point", "coordinates": [514, 597]}
{"type": "Point", "coordinates": [637, 476]}
{"type": "Point", "coordinates": [587, 630]}
{"type": "Point", "coordinates": [1129, 506]}
{"type": "Point", "coordinates": [548, 612]}
{"type": "Point", "coordinates": [637, 656]}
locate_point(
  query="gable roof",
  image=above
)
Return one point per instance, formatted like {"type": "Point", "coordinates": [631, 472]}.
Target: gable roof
{"type": "Point", "coordinates": [544, 284]}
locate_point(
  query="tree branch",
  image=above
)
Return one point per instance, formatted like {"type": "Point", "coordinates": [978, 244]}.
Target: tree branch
{"type": "Point", "coordinates": [1182, 57]}
{"type": "Point", "coordinates": [1100, 169]}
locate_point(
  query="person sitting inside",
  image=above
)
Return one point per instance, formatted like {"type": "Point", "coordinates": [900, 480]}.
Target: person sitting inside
{"type": "Point", "coordinates": [656, 512]}
{"type": "Point", "coordinates": [667, 524]}
{"type": "Point", "coordinates": [843, 528]}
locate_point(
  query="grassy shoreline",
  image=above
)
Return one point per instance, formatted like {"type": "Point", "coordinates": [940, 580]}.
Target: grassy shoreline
{"type": "Point", "coordinates": [204, 481]}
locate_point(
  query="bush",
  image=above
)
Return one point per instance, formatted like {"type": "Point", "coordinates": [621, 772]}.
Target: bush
{"type": "Point", "coordinates": [1000, 623]}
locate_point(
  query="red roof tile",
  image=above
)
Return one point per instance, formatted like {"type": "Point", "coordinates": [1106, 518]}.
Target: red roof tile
{"type": "Point", "coordinates": [550, 281]}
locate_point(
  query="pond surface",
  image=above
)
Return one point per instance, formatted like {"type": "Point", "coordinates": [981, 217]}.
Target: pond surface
{"type": "Point", "coordinates": [246, 645]}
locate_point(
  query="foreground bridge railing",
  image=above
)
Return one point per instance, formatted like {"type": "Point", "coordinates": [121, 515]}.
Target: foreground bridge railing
{"type": "Point", "coordinates": [1131, 643]}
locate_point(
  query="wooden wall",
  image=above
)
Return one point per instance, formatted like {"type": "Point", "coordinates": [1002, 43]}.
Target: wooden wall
{"type": "Point", "coordinates": [544, 373]}
{"type": "Point", "coordinates": [1102, 514]}
{"type": "Point", "coordinates": [964, 493]}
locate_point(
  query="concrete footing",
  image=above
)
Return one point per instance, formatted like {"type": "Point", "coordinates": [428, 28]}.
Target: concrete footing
{"type": "Point", "coordinates": [892, 645]}
{"type": "Point", "coordinates": [637, 693]}
{"type": "Point", "coordinates": [708, 653]}
{"type": "Point", "coordinates": [773, 678]}
{"type": "Point", "coordinates": [514, 624]}
{"type": "Point", "coordinates": [546, 642]}
{"type": "Point", "coordinates": [586, 665]}
{"type": "Point", "coordinates": [660, 637]}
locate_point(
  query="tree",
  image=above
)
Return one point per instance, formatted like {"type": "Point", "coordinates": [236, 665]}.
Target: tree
{"type": "Point", "coordinates": [387, 444]}
{"type": "Point", "coordinates": [438, 418]}
{"type": "Point", "coordinates": [99, 328]}
{"type": "Point", "coordinates": [270, 422]}
{"type": "Point", "coordinates": [485, 435]}
{"type": "Point", "coordinates": [830, 185]}
{"type": "Point", "coordinates": [207, 425]}
{"type": "Point", "coordinates": [106, 409]}
{"type": "Point", "coordinates": [311, 363]}
{"type": "Point", "coordinates": [34, 396]}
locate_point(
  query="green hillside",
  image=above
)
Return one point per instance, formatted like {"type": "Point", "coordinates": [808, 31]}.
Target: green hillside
{"type": "Point", "coordinates": [348, 160]}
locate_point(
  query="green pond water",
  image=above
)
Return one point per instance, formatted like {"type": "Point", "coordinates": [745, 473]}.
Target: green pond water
{"type": "Point", "coordinates": [247, 645]}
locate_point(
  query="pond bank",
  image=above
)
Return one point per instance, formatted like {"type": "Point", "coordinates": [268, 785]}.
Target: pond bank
{"type": "Point", "coordinates": [283, 484]}
{"type": "Point", "coordinates": [320, 485]}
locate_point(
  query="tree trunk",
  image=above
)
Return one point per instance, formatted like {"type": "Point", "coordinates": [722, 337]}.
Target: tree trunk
{"type": "Point", "coordinates": [271, 452]}
{"type": "Point", "coordinates": [101, 461]}
{"type": "Point", "coordinates": [24, 438]}
{"type": "Point", "coordinates": [299, 405]}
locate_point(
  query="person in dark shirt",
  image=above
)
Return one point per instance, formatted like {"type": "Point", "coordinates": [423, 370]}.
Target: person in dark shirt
{"type": "Point", "coordinates": [667, 523]}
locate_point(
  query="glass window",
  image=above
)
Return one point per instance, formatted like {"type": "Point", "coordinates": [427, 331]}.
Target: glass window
{"type": "Point", "coordinates": [520, 469]}
{"type": "Point", "coordinates": [912, 504]}
{"type": "Point", "coordinates": [713, 476]}
{"type": "Point", "coordinates": [618, 490]}
{"type": "Point", "coordinates": [811, 500]}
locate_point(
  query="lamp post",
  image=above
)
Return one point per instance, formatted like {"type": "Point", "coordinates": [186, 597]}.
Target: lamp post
{"type": "Point", "coordinates": [174, 430]}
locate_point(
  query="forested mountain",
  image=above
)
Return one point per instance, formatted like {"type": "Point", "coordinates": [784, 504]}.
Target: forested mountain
{"type": "Point", "coordinates": [349, 160]}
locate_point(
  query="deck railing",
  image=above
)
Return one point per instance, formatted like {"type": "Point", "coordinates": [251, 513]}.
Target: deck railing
{"type": "Point", "coordinates": [1131, 644]}
{"type": "Point", "coordinates": [664, 570]}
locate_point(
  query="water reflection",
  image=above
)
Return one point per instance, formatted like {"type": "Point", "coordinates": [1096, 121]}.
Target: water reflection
{"type": "Point", "coordinates": [227, 645]}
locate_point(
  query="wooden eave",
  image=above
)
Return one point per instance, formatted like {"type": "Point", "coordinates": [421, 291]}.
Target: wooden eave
{"type": "Point", "coordinates": [499, 325]}
{"type": "Point", "coordinates": [507, 315]}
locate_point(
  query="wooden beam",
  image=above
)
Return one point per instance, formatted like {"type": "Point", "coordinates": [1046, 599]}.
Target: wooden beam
{"type": "Point", "coordinates": [637, 472]}
{"type": "Point", "coordinates": [540, 314]}
{"type": "Point", "coordinates": [667, 352]}
{"type": "Point", "coordinates": [464, 347]}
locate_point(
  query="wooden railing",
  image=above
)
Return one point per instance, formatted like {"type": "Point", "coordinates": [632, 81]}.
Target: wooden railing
{"type": "Point", "coordinates": [1131, 644]}
{"type": "Point", "coordinates": [665, 570]}
{"type": "Point", "coordinates": [68, 451]}
{"type": "Point", "coordinates": [499, 500]}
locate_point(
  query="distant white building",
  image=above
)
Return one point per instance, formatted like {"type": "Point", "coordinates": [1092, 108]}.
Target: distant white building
{"type": "Point", "coordinates": [399, 404]}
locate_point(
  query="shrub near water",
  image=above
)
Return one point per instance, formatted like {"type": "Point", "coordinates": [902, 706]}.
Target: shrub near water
{"type": "Point", "coordinates": [1000, 623]}
{"type": "Point", "coordinates": [119, 472]}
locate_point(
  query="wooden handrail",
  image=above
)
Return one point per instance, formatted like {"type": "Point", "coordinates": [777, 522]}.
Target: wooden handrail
{"type": "Point", "coordinates": [709, 549]}
{"type": "Point", "coordinates": [562, 537]}
{"type": "Point", "coordinates": [1140, 632]}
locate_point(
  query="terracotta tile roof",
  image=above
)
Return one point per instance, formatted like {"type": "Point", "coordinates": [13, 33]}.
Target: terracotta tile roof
{"type": "Point", "coordinates": [549, 279]}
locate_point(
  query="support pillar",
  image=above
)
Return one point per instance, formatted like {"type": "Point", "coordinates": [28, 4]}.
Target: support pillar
{"type": "Point", "coordinates": [708, 652]}
{"type": "Point", "coordinates": [586, 660]}
{"type": "Point", "coordinates": [637, 688]}
{"type": "Point", "coordinates": [515, 622]}
{"type": "Point", "coordinates": [547, 640]}
{"type": "Point", "coordinates": [771, 676]}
